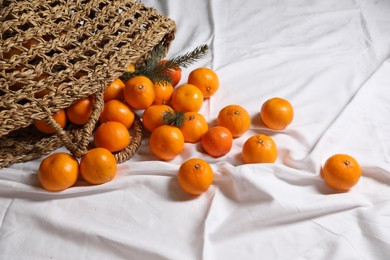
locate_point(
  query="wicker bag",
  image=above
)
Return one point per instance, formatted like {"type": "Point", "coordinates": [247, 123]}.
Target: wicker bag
{"type": "Point", "coordinates": [55, 52]}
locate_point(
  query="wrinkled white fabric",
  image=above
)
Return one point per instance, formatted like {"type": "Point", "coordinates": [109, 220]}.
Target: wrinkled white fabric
{"type": "Point", "coordinates": [330, 59]}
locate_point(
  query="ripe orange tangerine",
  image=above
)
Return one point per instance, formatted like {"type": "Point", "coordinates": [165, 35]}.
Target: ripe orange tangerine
{"type": "Point", "coordinates": [79, 112]}
{"type": "Point", "coordinates": [195, 176]}
{"type": "Point", "coordinates": [139, 92]}
{"type": "Point", "coordinates": [118, 111]}
{"type": "Point", "coordinates": [341, 172]}
{"type": "Point", "coordinates": [259, 149]}
{"type": "Point", "coordinates": [163, 91]}
{"type": "Point", "coordinates": [58, 171]}
{"type": "Point", "coordinates": [187, 98]}
{"type": "Point", "coordinates": [277, 113]}
{"type": "Point", "coordinates": [217, 141]}
{"type": "Point", "coordinates": [60, 117]}
{"type": "Point", "coordinates": [98, 166]}
{"type": "Point", "coordinates": [114, 91]}
{"type": "Point", "coordinates": [235, 118]}
{"type": "Point", "coordinates": [130, 68]}
{"type": "Point", "coordinates": [173, 74]}
{"type": "Point", "coordinates": [30, 43]}
{"type": "Point", "coordinates": [193, 127]}
{"type": "Point", "coordinates": [112, 135]}
{"type": "Point", "coordinates": [166, 142]}
{"type": "Point", "coordinates": [205, 79]}
{"type": "Point", "coordinates": [13, 51]}
{"type": "Point", "coordinates": [154, 116]}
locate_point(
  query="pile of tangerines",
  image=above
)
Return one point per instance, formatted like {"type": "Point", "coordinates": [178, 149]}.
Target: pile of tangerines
{"type": "Point", "coordinates": [170, 113]}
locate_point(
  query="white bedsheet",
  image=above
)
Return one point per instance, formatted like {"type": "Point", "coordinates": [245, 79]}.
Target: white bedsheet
{"type": "Point", "coordinates": [330, 59]}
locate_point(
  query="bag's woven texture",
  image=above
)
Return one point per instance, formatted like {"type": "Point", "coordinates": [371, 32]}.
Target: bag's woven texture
{"type": "Point", "coordinates": [55, 52]}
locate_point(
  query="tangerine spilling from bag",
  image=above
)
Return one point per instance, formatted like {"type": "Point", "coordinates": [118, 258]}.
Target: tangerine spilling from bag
{"type": "Point", "coordinates": [58, 171]}
{"type": "Point", "coordinates": [112, 134]}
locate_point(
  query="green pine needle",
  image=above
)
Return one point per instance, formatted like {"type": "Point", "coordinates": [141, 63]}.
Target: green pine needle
{"type": "Point", "coordinates": [189, 58]}
{"type": "Point", "coordinates": [173, 118]}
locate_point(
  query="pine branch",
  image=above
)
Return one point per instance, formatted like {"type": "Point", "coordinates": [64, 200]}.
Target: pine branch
{"type": "Point", "coordinates": [159, 72]}
{"type": "Point", "coordinates": [189, 58]}
{"type": "Point", "coordinates": [156, 56]}
{"type": "Point", "coordinates": [182, 61]}
{"type": "Point", "coordinates": [156, 70]}
{"type": "Point", "coordinates": [173, 118]}
{"type": "Point", "coordinates": [147, 70]}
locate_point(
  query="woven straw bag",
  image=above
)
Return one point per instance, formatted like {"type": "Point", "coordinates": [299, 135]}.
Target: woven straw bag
{"type": "Point", "coordinates": [70, 49]}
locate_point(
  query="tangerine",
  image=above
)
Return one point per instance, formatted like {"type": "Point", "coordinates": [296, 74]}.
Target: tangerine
{"type": "Point", "coordinates": [113, 136]}
{"type": "Point", "coordinates": [155, 116]}
{"type": "Point", "coordinates": [79, 112]}
{"type": "Point", "coordinates": [163, 91]}
{"type": "Point", "coordinates": [193, 127]}
{"type": "Point", "coordinates": [166, 142]}
{"type": "Point", "coordinates": [187, 98]}
{"type": "Point", "coordinates": [30, 43]}
{"type": "Point", "coordinates": [195, 176]}
{"type": "Point", "coordinates": [173, 74]}
{"type": "Point", "coordinates": [118, 111]}
{"type": "Point", "coordinates": [114, 91]}
{"type": "Point", "coordinates": [205, 79]}
{"type": "Point", "coordinates": [98, 166]}
{"type": "Point", "coordinates": [13, 51]}
{"type": "Point", "coordinates": [139, 92]}
{"type": "Point", "coordinates": [277, 113]}
{"type": "Point", "coordinates": [341, 172]}
{"type": "Point", "coordinates": [130, 68]}
{"type": "Point", "coordinates": [259, 149]}
{"type": "Point", "coordinates": [60, 117]}
{"type": "Point", "coordinates": [58, 171]}
{"type": "Point", "coordinates": [235, 118]}
{"type": "Point", "coordinates": [217, 141]}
